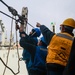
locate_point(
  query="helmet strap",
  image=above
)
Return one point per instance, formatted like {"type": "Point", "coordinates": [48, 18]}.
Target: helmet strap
{"type": "Point", "coordinates": [62, 28]}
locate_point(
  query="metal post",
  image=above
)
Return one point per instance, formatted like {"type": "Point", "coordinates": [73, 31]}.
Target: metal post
{"type": "Point", "coordinates": [53, 26]}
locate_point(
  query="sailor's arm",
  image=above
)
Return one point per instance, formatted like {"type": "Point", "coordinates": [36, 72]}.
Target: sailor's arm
{"type": "Point", "coordinates": [30, 47]}
{"type": "Point", "coordinates": [48, 34]}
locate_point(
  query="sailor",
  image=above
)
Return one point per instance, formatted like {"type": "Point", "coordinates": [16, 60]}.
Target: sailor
{"type": "Point", "coordinates": [59, 46]}
{"type": "Point", "coordinates": [38, 56]}
{"type": "Point", "coordinates": [32, 39]}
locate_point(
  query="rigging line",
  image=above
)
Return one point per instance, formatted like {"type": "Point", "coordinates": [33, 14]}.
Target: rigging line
{"type": "Point", "coordinates": [9, 47]}
{"type": "Point", "coordinates": [15, 19]}
{"type": "Point", "coordinates": [4, 3]}
{"type": "Point", "coordinates": [9, 52]}
{"type": "Point", "coordinates": [30, 25]}
{"type": "Point", "coordinates": [7, 66]}
{"type": "Point", "coordinates": [7, 15]}
{"type": "Point", "coordinates": [17, 49]}
{"type": "Point", "coordinates": [27, 29]}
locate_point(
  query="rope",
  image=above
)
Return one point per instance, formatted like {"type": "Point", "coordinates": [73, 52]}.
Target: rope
{"type": "Point", "coordinates": [7, 66]}
{"type": "Point", "coordinates": [9, 48]}
{"type": "Point", "coordinates": [9, 52]}
{"type": "Point", "coordinates": [17, 49]}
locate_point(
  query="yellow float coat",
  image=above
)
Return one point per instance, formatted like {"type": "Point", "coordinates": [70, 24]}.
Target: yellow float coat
{"type": "Point", "coordinates": [59, 49]}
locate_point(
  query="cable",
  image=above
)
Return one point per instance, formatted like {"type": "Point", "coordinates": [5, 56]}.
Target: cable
{"type": "Point", "coordinates": [15, 19]}
{"type": "Point", "coordinates": [17, 49]}
{"type": "Point", "coordinates": [9, 47]}
{"type": "Point", "coordinates": [7, 66]}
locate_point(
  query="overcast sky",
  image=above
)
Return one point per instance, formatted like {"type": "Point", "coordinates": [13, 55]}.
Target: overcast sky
{"type": "Point", "coordinates": [43, 11]}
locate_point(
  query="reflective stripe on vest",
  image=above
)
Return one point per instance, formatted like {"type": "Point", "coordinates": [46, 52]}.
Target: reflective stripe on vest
{"type": "Point", "coordinates": [65, 36]}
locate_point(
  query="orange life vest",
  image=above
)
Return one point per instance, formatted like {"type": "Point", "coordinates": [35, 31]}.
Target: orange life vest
{"type": "Point", "coordinates": [59, 49]}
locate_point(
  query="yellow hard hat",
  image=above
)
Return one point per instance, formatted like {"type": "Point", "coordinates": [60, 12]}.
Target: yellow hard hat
{"type": "Point", "coordinates": [69, 22]}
